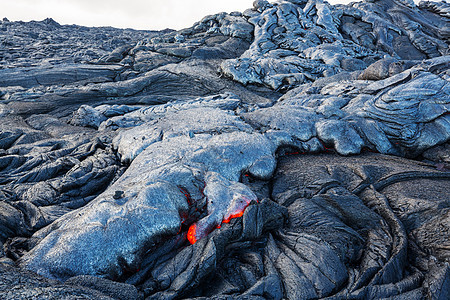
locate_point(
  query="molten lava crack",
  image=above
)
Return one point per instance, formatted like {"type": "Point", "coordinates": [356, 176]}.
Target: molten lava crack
{"type": "Point", "coordinates": [226, 200]}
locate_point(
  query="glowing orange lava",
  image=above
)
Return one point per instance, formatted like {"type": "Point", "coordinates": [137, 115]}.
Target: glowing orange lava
{"type": "Point", "coordinates": [233, 216]}
{"type": "Point", "coordinates": [192, 232]}
{"type": "Point", "coordinates": [191, 235]}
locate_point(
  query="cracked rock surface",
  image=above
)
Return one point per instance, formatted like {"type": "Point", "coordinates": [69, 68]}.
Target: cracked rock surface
{"type": "Point", "coordinates": [297, 150]}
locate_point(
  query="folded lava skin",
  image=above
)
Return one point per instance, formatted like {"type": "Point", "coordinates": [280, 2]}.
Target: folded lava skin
{"type": "Point", "coordinates": [297, 150]}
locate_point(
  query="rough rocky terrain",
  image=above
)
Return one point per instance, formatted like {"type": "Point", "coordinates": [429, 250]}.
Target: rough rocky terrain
{"type": "Point", "coordinates": [297, 150]}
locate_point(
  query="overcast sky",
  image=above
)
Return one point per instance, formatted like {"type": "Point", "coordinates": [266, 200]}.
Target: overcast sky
{"type": "Point", "coordinates": [138, 14]}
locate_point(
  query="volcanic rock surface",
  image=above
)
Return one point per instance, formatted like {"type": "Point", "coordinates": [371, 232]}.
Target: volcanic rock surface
{"type": "Point", "coordinates": [297, 150]}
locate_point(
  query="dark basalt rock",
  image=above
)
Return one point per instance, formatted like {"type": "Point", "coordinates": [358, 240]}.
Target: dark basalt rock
{"type": "Point", "coordinates": [303, 149]}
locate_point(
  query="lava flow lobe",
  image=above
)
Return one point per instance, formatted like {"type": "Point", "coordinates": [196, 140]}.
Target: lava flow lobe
{"type": "Point", "coordinates": [226, 201]}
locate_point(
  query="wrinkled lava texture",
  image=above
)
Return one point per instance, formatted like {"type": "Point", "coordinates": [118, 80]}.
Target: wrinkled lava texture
{"type": "Point", "coordinates": [297, 150]}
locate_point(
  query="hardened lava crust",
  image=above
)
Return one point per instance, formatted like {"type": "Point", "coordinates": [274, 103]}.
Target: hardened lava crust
{"type": "Point", "coordinates": [296, 150]}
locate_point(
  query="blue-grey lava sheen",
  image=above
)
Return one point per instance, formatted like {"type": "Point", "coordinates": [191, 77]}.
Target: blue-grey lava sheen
{"type": "Point", "coordinates": [296, 150]}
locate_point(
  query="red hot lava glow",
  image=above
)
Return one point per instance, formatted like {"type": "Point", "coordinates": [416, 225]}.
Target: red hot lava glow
{"type": "Point", "coordinates": [192, 232]}
{"type": "Point", "coordinates": [236, 215]}
{"type": "Point", "coordinates": [191, 235]}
